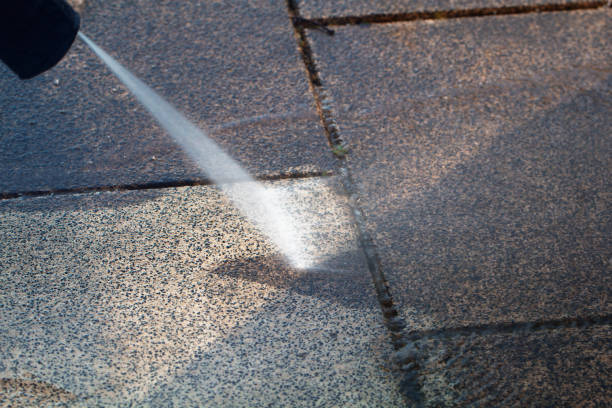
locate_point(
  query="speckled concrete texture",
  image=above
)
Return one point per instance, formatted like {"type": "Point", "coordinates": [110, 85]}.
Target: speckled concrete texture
{"type": "Point", "coordinates": [481, 157]}
{"type": "Point", "coordinates": [477, 171]}
{"type": "Point", "coordinates": [482, 154]}
{"type": "Point", "coordinates": [170, 298]}
{"type": "Point", "coordinates": [232, 66]}
{"type": "Point", "coordinates": [567, 367]}
{"type": "Point", "coordinates": [356, 8]}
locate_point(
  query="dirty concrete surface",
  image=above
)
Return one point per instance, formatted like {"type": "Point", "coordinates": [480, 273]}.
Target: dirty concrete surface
{"type": "Point", "coordinates": [77, 126]}
{"type": "Point", "coordinates": [481, 152]}
{"type": "Point", "coordinates": [479, 146]}
{"type": "Point", "coordinates": [475, 192]}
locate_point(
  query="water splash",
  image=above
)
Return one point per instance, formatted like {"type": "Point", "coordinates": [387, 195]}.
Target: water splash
{"type": "Point", "coordinates": [260, 205]}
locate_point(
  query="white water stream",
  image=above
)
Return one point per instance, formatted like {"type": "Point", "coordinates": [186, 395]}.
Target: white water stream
{"type": "Point", "coordinates": [261, 205]}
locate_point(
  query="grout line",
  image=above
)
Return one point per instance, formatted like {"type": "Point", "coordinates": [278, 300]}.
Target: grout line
{"type": "Point", "coordinates": [409, 382]}
{"type": "Point", "coordinates": [155, 185]}
{"type": "Point", "coordinates": [326, 111]}
{"type": "Point", "coordinates": [449, 14]}
{"type": "Point", "coordinates": [306, 23]}
{"type": "Point", "coordinates": [323, 101]}
{"type": "Point", "coordinates": [303, 44]}
{"type": "Point", "coordinates": [513, 327]}
{"type": "Point", "coordinates": [409, 385]}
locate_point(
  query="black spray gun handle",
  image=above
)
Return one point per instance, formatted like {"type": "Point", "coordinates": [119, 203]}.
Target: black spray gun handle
{"type": "Point", "coordinates": [35, 34]}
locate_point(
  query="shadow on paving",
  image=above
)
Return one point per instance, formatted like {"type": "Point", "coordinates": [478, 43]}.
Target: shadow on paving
{"type": "Point", "coordinates": [518, 232]}
{"type": "Point", "coordinates": [267, 327]}
{"type": "Point", "coordinates": [336, 280]}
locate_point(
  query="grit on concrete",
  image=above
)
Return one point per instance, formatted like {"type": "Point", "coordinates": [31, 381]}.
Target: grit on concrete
{"type": "Point", "coordinates": [171, 298]}
{"type": "Point", "coordinates": [481, 152]}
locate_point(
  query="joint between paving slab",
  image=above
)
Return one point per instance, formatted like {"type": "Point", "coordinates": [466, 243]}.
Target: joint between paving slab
{"type": "Point", "coordinates": [325, 106]}
{"type": "Point", "coordinates": [453, 14]}
{"type": "Point", "coordinates": [322, 98]}
{"type": "Point", "coordinates": [415, 354]}
{"type": "Point", "coordinates": [409, 385]}
{"type": "Point", "coordinates": [154, 185]}
{"type": "Point", "coordinates": [303, 45]}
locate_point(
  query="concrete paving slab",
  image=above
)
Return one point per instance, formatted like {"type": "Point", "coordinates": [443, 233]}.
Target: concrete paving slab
{"type": "Point", "coordinates": [482, 156]}
{"type": "Point", "coordinates": [232, 66]}
{"type": "Point", "coordinates": [358, 8]}
{"type": "Point", "coordinates": [565, 367]}
{"type": "Point", "coordinates": [169, 297]}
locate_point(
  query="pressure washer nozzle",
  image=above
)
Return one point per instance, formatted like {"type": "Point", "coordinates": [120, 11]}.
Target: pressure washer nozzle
{"type": "Point", "coordinates": [35, 34]}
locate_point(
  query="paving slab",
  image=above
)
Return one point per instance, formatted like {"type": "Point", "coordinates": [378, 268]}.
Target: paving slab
{"type": "Point", "coordinates": [230, 66]}
{"type": "Point", "coordinates": [360, 8]}
{"type": "Point", "coordinates": [171, 298]}
{"type": "Point", "coordinates": [481, 151]}
{"type": "Point", "coordinates": [481, 154]}
{"type": "Point", "coordinates": [565, 367]}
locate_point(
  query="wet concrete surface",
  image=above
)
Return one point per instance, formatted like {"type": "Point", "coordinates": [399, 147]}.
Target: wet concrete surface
{"type": "Point", "coordinates": [356, 8]}
{"type": "Point", "coordinates": [166, 300]}
{"type": "Point", "coordinates": [231, 66]}
{"type": "Point", "coordinates": [480, 151]}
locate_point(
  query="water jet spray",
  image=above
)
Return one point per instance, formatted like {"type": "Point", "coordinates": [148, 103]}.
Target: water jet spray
{"type": "Point", "coordinates": [259, 204]}
{"type": "Point", "coordinates": [36, 34]}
